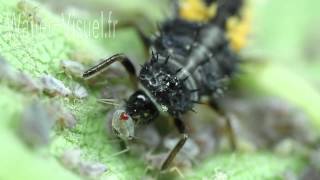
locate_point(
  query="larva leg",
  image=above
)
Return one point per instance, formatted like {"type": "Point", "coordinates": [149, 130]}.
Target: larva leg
{"type": "Point", "coordinates": [184, 136]}
{"type": "Point", "coordinates": [230, 132]}
{"type": "Point", "coordinates": [102, 66]}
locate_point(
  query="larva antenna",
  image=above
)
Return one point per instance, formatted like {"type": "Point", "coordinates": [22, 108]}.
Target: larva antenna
{"type": "Point", "coordinates": [179, 70]}
{"type": "Point", "coordinates": [154, 57]}
{"type": "Point", "coordinates": [166, 60]}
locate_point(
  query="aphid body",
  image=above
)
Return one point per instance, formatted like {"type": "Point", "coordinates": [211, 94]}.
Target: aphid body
{"type": "Point", "coordinates": [72, 68]}
{"type": "Point", "coordinates": [190, 63]}
{"type": "Point", "coordinates": [53, 86]}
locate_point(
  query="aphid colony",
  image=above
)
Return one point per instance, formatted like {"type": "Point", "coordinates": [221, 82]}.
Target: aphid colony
{"type": "Point", "coordinates": [71, 159]}
{"type": "Point", "coordinates": [45, 83]}
{"type": "Point", "coordinates": [191, 63]}
{"type": "Point", "coordinates": [39, 118]}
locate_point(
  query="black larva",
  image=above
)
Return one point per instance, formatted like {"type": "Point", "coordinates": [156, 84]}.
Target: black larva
{"type": "Point", "coordinates": [190, 63]}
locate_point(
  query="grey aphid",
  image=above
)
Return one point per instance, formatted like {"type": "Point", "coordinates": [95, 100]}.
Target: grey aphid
{"type": "Point", "coordinates": [67, 119]}
{"type": "Point", "coordinates": [71, 158]}
{"type": "Point", "coordinates": [72, 68]}
{"type": "Point", "coordinates": [7, 72]}
{"type": "Point", "coordinates": [27, 83]}
{"type": "Point", "coordinates": [92, 169]}
{"type": "Point", "coordinates": [62, 116]}
{"type": "Point", "coordinates": [122, 125]}
{"type": "Point", "coordinates": [18, 79]}
{"type": "Point", "coordinates": [79, 92]}
{"type": "Point", "coordinates": [36, 124]}
{"type": "Point", "coordinates": [54, 87]}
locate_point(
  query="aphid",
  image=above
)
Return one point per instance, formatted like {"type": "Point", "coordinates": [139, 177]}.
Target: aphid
{"type": "Point", "coordinates": [72, 68]}
{"type": "Point", "coordinates": [79, 91]}
{"type": "Point", "coordinates": [92, 169]}
{"type": "Point", "coordinates": [190, 63]}
{"type": "Point", "coordinates": [27, 83]}
{"type": "Point", "coordinates": [18, 79]}
{"type": "Point", "coordinates": [71, 158]}
{"type": "Point", "coordinates": [315, 158]}
{"type": "Point", "coordinates": [268, 121]}
{"type": "Point", "coordinates": [123, 125]}
{"type": "Point", "coordinates": [309, 173]}
{"type": "Point", "coordinates": [7, 72]}
{"type": "Point", "coordinates": [54, 87]}
{"type": "Point", "coordinates": [67, 119]}
{"type": "Point", "coordinates": [206, 141]}
{"type": "Point", "coordinates": [35, 125]}
{"type": "Point", "coordinates": [150, 136]}
{"type": "Point", "coordinates": [62, 116]}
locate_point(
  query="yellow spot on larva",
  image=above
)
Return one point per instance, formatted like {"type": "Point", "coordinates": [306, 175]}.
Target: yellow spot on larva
{"type": "Point", "coordinates": [196, 10]}
{"type": "Point", "coordinates": [238, 28]}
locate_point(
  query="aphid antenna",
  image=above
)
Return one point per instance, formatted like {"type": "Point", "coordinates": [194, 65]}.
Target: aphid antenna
{"type": "Point", "coordinates": [112, 104]}
{"type": "Point", "coordinates": [109, 99]}
{"type": "Point", "coordinates": [109, 102]}
{"type": "Point", "coordinates": [120, 152]}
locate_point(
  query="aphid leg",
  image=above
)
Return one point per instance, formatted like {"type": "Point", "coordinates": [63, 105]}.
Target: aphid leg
{"type": "Point", "coordinates": [177, 170]}
{"type": "Point", "coordinates": [172, 154]}
{"type": "Point", "coordinates": [101, 67]}
{"type": "Point", "coordinates": [120, 152]}
{"type": "Point", "coordinates": [125, 148]}
{"type": "Point", "coordinates": [230, 132]}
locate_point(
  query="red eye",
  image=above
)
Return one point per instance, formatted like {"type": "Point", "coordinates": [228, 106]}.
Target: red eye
{"type": "Point", "coordinates": [124, 116]}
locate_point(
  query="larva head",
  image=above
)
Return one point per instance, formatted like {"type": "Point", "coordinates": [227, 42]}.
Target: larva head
{"type": "Point", "coordinates": [123, 125]}
{"type": "Point", "coordinates": [141, 108]}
